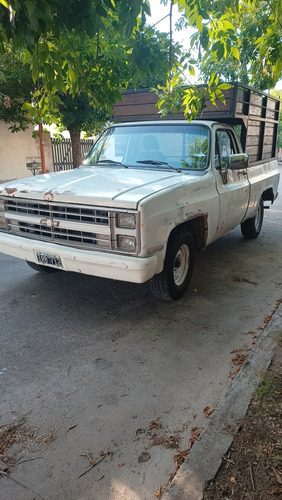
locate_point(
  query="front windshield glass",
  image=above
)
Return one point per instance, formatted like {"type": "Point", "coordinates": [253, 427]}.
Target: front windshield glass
{"type": "Point", "coordinates": [184, 146]}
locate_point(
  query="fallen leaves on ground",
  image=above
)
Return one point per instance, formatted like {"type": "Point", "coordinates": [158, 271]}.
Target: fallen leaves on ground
{"type": "Point", "coordinates": [17, 433]}
{"type": "Point", "coordinates": [171, 442]}
{"type": "Point", "coordinates": [180, 456]}
{"type": "Point", "coordinates": [160, 492]}
{"type": "Point", "coordinates": [208, 410]}
{"type": "Point", "coordinates": [252, 468]}
{"type": "Point", "coordinates": [154, 424]}
{"type": "Point", "coordinates": [245, 280]}
{"type": "Point", "coordinates": [238, 360]}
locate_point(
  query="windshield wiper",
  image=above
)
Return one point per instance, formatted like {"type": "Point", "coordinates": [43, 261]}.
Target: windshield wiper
{"type": "Point", "coordinates": [112, 162]}
{"type": "Point", "coordinates": [157, 162]}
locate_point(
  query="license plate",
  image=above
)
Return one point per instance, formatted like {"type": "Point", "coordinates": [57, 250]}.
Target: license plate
{"type": "Point", "coordinates": [47, 259]}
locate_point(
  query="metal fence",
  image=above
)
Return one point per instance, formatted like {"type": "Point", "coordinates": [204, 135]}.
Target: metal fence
{"type": "Point", "coordinates": [62, 152]}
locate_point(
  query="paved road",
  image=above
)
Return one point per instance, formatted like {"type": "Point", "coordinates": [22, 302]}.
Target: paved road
{"type": "Point", "coordinates": [107, 368]}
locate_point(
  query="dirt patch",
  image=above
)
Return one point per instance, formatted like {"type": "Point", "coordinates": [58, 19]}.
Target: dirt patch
{"type": "Point", "coordinates": [252, 468]}
{"type": "Point", "coordinates": [20, 443]}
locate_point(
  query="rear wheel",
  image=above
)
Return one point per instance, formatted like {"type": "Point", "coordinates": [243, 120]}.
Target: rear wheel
{"type": "Point", "coordinates": [251, 228]}
{"type": "Point", "coordinates": [40, 268]}
{"type": "Point", "coordinates": [173, 281]}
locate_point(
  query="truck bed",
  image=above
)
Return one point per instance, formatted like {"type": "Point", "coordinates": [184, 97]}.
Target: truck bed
{"type": "Point", "coordinates": [255, 114]}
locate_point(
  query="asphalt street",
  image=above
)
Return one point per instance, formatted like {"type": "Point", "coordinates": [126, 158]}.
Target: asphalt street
{"type": "Point", "coordinates": [117, 377]}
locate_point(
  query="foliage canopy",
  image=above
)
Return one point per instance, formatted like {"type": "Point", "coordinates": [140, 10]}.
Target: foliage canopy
{"type": "Point", "coordinates": [94, 49]}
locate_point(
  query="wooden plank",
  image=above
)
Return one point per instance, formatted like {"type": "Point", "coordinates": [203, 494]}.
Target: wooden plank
{"type": "Point", "coordinates": [255, 110]}
{"type": "Point", "coordinates": [242, 95]}
{"type": "Point", "coordinates": [254, 131]}
{"type": "Point", "coordinates": [142, 118]}
{"type": "Point", "coordinates": [253, 140]}
{"type": "Point", "coordinates": [257, 99]}
{"type": "Point", "coordinates": [252, 150]}
{"type": "Point", "coordinates": [271, 114]}
{"type": "Point", "coordinates": [141, 109]}
{"type": "Point", "coordinates": [253, 158]}
{"type": "Point", "coordinates": [269, 130]}
{"type": "Point", "coordinates": [266, 156]}
{"type": "Point", "coordinates": [268, 139]}
{"type": "Point", "coordinates": [271, 104]}
{"type": "Point", "coordinates": [220, 106]}
{"type": "Point", "coordinates": [138, 99]}
{"type": "Point", "coordinates": [255, 123]}
{"type": "Point", "coordinates": [267, 148]}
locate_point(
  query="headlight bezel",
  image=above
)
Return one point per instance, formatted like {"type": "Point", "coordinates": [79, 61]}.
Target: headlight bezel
{"type": "Point", "coordinates": [126, 220]}
{"type": "Point", "coordinates": [126, 243]}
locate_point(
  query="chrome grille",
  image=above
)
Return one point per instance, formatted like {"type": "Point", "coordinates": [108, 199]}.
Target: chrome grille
{"type": "Point", "coordinates": [67, 224]}
{"type": "Point", "coordinates": [52, 210]}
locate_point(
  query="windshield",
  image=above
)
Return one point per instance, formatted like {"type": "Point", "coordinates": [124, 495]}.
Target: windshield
{"type": "Point", "coordinates": [178, 146]}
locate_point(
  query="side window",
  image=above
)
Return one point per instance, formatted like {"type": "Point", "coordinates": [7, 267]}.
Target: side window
{"type": "Point", "coordinates": [224, 147]}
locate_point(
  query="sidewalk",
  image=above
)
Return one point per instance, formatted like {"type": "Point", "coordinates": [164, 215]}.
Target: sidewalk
{"type": "Point", "coordinates": [205, 458]}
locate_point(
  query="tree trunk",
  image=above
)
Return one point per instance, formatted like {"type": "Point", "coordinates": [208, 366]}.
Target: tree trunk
{"type": "Point", "coordinates": [76, 148]}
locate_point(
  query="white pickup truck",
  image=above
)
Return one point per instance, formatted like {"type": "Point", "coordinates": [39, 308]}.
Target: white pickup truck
{"type": "Point", "coordinates": [148, 196]}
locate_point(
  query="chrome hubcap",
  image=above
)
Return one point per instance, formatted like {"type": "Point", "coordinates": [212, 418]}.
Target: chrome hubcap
{"type": "Point", "coordinates": [181, 265]}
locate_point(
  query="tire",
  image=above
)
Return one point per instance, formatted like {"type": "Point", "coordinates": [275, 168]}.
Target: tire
{"type": "Point", "coordinates": [174, 280]}
{"type": "Point", "coordinates": [251, 228]}
{"type": "Point", "coordinates": [41, 269]}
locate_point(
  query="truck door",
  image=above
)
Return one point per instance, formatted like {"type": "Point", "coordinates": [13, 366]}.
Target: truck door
{"type": "Point", "coordinates": [232, 185]}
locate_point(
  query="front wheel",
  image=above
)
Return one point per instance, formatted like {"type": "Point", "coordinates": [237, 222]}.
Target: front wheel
{"type": "Point", "coordinates": [251, 228]}
{"type": "Point", "coordinates": [173, 281]}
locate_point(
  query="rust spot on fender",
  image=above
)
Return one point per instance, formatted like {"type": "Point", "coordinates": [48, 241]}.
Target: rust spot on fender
{"type": "Point", "coordinates": [10, 190]}
{"type": "Point", "coordinates": [23, 191]}
{"type": "Point", "coordinates": [48, 196]}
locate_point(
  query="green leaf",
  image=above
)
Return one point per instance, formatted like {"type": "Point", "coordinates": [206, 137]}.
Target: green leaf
{"type": "Point", "coordinates": [211, 80]}
{"type": "Point", "coordinates": [226, 25]}
{"type": "Point", "coordinates": [220, 51]}
{"type": "Point", "coordinates": [235, 53]}
{"type": "Point", "coordinates": [191, 70]}
{"type": "Point", "coordinates": [199, 23]}
{"type": "Point", "coordinates": [72, 75]}
{"type": "Point", "coordinates": [26, 106]}
{"type": "Point", "coordinates": [224, 86]}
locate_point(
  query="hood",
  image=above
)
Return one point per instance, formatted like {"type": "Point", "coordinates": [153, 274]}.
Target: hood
{"type": "Point", "coordinates": [100, 186]}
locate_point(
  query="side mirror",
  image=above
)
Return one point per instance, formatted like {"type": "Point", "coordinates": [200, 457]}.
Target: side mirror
{"type": "Point", "coordinates": [239, 161]}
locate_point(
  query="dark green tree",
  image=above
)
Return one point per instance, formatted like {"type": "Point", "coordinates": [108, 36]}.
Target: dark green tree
{"type": "Point", "coordinates": [255, 66]}
{"type": "Point", "coordinates": [78, 78]}
{"type": "Point", "coordinates": [16, 88]}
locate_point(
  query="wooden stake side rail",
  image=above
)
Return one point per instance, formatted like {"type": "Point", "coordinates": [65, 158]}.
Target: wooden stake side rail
{"type": "Point", "coordinates": [256, 112]}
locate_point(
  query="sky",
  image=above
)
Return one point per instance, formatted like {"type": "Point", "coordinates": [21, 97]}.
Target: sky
{"type": "Point", "coordinates": [158, 11]}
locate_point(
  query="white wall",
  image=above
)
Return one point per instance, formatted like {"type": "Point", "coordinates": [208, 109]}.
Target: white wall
{"type": "Point", "coordinates": [15, 148]}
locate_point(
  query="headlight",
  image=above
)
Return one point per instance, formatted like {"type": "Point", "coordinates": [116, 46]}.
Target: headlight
{"type": "Point", "coordinates": [126, 243]}
{"type": "Point", "coordinates": [127, 221]}
{"type": "Point", "coordinates": [3, 222]}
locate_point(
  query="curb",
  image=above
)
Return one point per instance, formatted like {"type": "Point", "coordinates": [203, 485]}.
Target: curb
{"type": "Point", "coordinates": [204, 459]}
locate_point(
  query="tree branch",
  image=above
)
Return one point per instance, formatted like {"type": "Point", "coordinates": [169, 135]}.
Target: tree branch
{"type": "Point", "coordinates": [274, 13]}
{"type": "Point", "coordinates": [75, 55]}
{"type": "Point", "coordinates": [170, 41]}
{"type": "Point", "coordinates": [151, 27]}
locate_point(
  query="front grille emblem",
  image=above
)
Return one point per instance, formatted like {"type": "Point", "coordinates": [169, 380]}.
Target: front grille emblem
{"type": "Point", "coordinates": [50, 223]}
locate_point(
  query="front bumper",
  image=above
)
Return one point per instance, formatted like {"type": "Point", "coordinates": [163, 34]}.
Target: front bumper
{"type": "Point", "coordinates": [94, 263]}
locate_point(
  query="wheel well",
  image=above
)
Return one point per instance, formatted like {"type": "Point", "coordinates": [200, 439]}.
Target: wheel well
{"type": "Point", "coordinates": [268, 195]}
{"type": "Point", "coordinates": [198, 226]}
